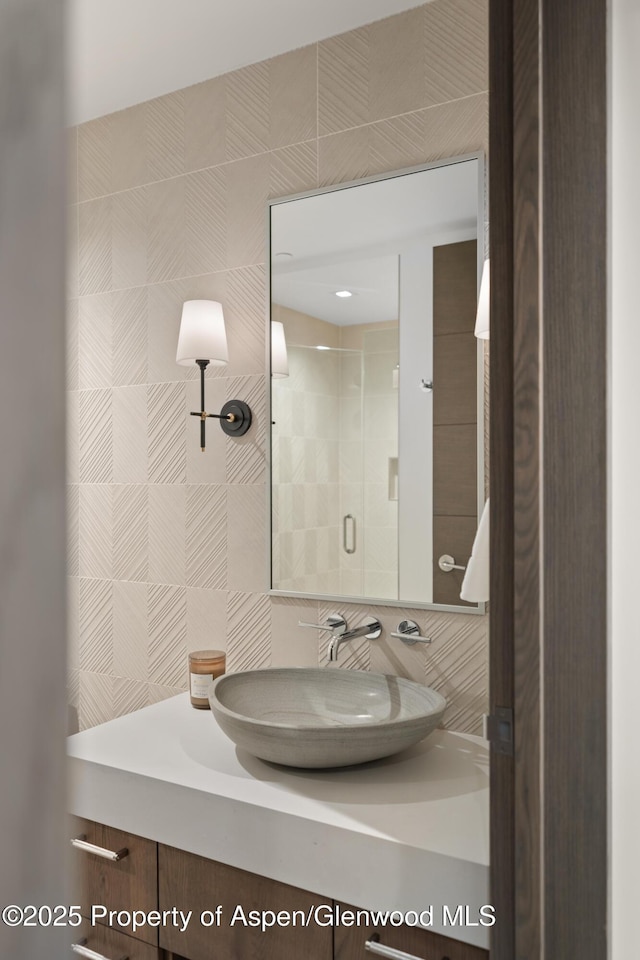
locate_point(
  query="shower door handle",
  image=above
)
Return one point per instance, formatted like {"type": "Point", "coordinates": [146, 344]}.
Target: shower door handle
{"type": "Point", "coordinates": [349, 520]}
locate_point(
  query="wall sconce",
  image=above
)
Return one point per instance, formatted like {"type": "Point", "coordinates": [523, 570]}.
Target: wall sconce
{"type": "Point", "coordinates": [203, 340]}
{"type": "Point", "coordinates": [482, 316]}
{"type": "Point", "coordinates": [279, 359]}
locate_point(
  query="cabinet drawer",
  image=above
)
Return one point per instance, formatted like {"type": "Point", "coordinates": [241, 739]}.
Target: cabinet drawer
{"type": "Point", "coordinates": [350, 941]}
{"type": "Point", "coordinates": [126, 884]}
{"type": "Point", "coordinates": [192, 883]}
{"type": "Point", "coordinates": [111, 944]}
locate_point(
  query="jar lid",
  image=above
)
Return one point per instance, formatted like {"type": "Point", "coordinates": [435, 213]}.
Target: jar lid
{"type": "Point", "coordinates": [207, 655]}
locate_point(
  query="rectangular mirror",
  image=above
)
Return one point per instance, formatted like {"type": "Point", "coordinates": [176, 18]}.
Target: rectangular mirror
{"type": "Point", "coordinates": [377, 387]}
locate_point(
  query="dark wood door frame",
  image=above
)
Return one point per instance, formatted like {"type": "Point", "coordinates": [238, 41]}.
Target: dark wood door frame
{"type": "Point", "coordinates": [548, 141]}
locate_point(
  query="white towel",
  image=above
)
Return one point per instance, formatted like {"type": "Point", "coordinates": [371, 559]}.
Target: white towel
{"type": "Point", "coordinates": [475, 586]}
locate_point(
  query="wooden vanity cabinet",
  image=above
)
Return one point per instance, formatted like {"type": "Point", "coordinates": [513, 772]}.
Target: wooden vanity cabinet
{"type": "Point", "coordinates": [193, 883]}
{"type": "Point", "coordinates": [125, 884]}
{"type": "Point", "coordinates": [156, 877]}
{"type": "Point", "coordinates": [423, 944]}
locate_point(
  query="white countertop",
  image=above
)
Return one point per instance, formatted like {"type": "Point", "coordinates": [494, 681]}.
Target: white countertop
{"type": "Point", "coordinates": [402, 833]}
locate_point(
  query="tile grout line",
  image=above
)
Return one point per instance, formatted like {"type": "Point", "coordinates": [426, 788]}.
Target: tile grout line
{"type": "Point", "coordinates": [157, 283]}
{"type": "Point", "coordinates": [264, 153]}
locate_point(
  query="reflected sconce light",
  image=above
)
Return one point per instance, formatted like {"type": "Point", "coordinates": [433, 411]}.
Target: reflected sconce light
{"type": "Point", "coordinates": [203, 340]}
{"type": "Point", "coordinates": [482, 316]}
{"type": "Point", "coordinates": [279, 359]}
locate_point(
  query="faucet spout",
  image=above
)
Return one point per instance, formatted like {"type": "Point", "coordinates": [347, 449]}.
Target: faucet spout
{"type": "Point", "coordinates": [371, 630]}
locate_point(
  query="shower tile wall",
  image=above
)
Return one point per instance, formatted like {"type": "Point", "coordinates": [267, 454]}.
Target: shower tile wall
{"type": "Point", "coordinates": [166, 544]}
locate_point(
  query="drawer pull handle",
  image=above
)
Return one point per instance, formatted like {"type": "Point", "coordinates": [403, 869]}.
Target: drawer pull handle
{"type": "Point", "coordinates": [80, 843]}
{"type": "Point", "coordinates": [373, 946]}
{"type": "Point", "coordinates": [83, 951]}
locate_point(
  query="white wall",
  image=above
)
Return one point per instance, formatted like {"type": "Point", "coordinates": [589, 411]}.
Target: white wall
{"type": "Point", "coordinates": [625, 471]}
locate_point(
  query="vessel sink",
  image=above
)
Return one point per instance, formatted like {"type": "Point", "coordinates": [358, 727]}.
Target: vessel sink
{"type": "Point", "coordinates": [304, 717]}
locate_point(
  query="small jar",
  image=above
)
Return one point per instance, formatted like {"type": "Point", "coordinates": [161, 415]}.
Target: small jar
{"type": "Point", "coordinates": [204, 667]}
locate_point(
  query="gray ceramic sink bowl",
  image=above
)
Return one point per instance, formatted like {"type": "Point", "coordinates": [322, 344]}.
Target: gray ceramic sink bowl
{"type": "Point", "coordinates": [303, 717]}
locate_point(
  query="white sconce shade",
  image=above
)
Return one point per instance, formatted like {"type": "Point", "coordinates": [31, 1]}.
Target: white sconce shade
{"type": "Point", "coordinates": [279, 360]}
{"type": "Point", "coordinates": [482, 316]}
{"type": "Point", "coordinates": [202, 333]}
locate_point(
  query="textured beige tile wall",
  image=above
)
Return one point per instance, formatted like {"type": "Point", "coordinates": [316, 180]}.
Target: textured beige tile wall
{"type": "Point", "coordinates": [167, 545]}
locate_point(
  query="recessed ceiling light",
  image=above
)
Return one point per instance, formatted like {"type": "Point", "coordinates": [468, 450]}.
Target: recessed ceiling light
{"type": "Point", "coordinates": [343, 293]}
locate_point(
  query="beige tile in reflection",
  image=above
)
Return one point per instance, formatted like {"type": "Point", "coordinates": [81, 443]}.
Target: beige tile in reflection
{"type": "Point", "coordinates": [205, 124]}
{"type": "Point", "coordinates": [456, 49]}
{"type": "Point", "coordinates": [206, 619]}
{"type": "Point", "coordinates": [292, 81]}
{"type": "Point", "coordinates": [95, 231]}
{"type": "Point", "coordinates": [292, 645]}
{"type": "Point", "coordinates": [95, 151]}
{"type": "Point", "coordinates": [246, 532]}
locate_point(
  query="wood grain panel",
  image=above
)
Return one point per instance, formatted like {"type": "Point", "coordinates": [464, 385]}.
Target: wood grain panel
{"type": "Point", "coordinates": [527, 505]}
{"type": "Point", "coordinates": [575, 370]}
{"type": "Point", "coordinates": [455, 471]}
{"type": "Point", "coordinates": [193, 883]}
{"type": "Point", "coordinates": [349, 943]}
{"type": "Point", "coordinates": [124, 885]}
{"type": "Point", "coordinates": [455, 392]}
{"type": "Point", "coordinates": [452, 535]}
{"type": "Point", "coordinates": [455, 287]}
{"type": "Point", "coordinates": [502, 883]}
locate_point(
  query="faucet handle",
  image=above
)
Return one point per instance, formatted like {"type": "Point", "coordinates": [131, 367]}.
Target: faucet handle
{"type": "Point", "coordinates": [333, 624]}
{"type": "Point", "coordinates": [409, 632]}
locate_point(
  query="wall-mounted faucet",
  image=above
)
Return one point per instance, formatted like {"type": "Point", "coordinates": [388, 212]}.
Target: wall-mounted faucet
{"type": "Point", "coordinates": [371, 630]}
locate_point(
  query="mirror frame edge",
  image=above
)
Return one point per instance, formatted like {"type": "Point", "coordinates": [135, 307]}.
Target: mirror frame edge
{"type": "Point", "coordinates": [480, 608]}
